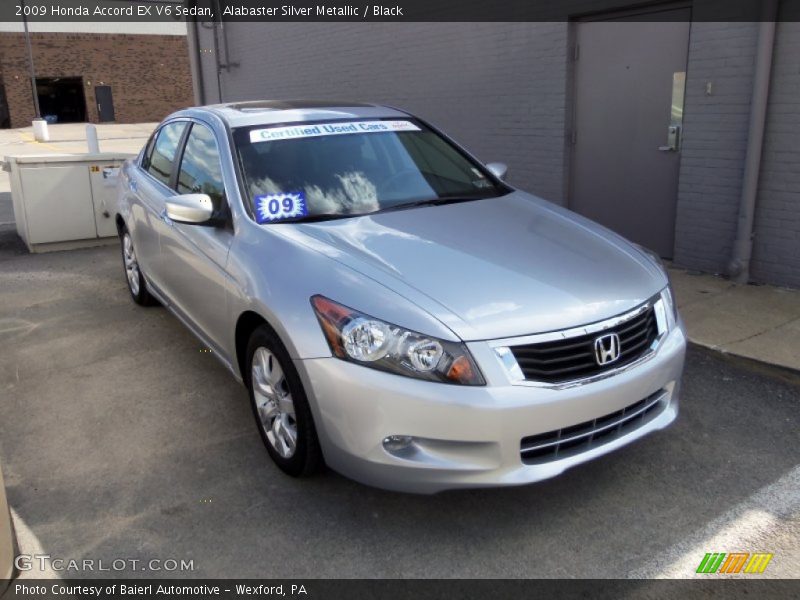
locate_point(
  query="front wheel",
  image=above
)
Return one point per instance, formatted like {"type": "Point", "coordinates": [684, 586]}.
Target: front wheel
{"type": "Point", "coordinates": [280, 406]}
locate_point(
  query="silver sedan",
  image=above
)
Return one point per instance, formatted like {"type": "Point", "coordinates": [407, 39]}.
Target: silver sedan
{"type": "Point", "coordinates": [395, 309]}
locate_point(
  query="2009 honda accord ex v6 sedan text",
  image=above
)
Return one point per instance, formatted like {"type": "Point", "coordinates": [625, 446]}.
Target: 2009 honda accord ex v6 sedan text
{"type": "Point", "coordinates": [395, 309]}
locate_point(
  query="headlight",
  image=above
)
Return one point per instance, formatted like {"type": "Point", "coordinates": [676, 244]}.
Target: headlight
{"type": "Point", "coordinates": [362, 339]}
{"type": "Point", "coordinates": [668, 298]}
{"type": "Point", "coordinates": [666, 312]}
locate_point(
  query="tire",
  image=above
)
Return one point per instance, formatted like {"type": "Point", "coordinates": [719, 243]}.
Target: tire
{"type": "Point", "coordinates": [280, 405]}
{"type": "Point", "coordinates": [133, 274]}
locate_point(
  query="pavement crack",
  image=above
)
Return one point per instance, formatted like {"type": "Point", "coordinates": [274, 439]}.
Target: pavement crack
{"type": "Point", "coordinates": [754, 335]}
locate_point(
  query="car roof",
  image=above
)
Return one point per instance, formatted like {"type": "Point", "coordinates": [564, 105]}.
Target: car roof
{"type": "Point", "coordinates": [272, 112]}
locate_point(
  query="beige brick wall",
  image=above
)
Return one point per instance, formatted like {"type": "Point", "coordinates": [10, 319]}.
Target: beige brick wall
{"type": "Point", "coordinates": [149, 74]}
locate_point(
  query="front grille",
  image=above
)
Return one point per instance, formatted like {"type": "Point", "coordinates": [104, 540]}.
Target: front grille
{"type": "Point", "coordinates": [574, 358]}
{"type": "Point", "coordinates": [563, 443]}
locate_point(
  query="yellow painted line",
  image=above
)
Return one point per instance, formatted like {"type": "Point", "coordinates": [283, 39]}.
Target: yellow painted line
{"type": "Point", "coordinates": [29, 139]}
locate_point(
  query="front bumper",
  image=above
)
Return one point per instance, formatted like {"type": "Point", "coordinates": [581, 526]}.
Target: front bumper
{"type": "Point", "coordinates": [470, 436]}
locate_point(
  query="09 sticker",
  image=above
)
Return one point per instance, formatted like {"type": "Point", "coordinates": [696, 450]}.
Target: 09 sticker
{"type": "Point", "coordinates": [277, 207]}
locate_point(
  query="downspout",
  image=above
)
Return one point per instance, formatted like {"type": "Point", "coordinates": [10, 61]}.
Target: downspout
{"type": "Point", "coordinates": [34, 89]}
{"type": "Point", "coordinates": [739, 265]}
{"type": "Point", "coordinates": [217, 64]}
{"type": "Point", "coordinates": [198, 85]}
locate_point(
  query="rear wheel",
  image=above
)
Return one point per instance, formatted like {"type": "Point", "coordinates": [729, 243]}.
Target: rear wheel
{"type": "Point", "coordinates": [280, 406]}
{"type": "Point", "coordinates": [133, 273]}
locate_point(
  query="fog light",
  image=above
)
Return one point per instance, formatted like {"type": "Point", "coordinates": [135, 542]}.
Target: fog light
{"type": "Point", "coordinates": [397, 443]}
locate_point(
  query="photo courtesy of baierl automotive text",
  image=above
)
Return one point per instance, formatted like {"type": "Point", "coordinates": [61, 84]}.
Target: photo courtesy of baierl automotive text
{"type": "Point", "coordinates": [334, 300]}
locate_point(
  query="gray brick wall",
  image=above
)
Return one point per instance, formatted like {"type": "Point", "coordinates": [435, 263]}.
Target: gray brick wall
{"type": "Point", "coordinates": [497, 88]}
{"type": "Point", "coordinates": [714, 146]}
{"type": "Point", "coordinates": [503, 90]}
{"type": "Point", "coordinates": [776, 251]}
{"type": "Point", "coordinates": [714, 142]}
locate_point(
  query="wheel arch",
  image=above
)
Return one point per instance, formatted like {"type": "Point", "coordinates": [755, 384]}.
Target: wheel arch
{"type": "Point", "coordinates": [120, 224]}
{"type": "Point", "coordinates": [246, 324]}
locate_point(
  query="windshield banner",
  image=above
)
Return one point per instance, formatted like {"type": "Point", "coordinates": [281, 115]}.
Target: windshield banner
{"type": "Point", "coordinates": [293, 132]}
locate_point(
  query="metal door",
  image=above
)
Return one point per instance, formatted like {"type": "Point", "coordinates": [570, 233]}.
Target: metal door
{"type": "Point", "coordinates": [105, 103]}
{"type": "Point", "coordinates": [629, 88]}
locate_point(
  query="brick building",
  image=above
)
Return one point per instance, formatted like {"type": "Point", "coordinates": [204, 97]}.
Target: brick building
{"type": "Point", "coordinates": [580, 109]}
{"type": "Point", "coordinates": [96, 72]}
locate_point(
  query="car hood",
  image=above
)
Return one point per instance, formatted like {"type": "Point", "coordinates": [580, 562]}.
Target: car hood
{"type": "Point", "coordinates": [494, 268]}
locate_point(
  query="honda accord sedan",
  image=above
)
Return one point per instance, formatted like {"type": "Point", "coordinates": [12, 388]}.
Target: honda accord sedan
{"type": "Point", "coordinates": [395, 309]}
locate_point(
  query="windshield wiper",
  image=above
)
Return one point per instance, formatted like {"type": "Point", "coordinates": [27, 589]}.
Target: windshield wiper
{"type": "Point", "coordinates": [329, 216]}
{"type": "Point", "coordinates": [311, 218]}
{"type": "Point", "coordinates": [440, 201]}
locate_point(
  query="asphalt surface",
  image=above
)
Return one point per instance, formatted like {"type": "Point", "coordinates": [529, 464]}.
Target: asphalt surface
{"type": "Point", "coordinates": [119, 438]}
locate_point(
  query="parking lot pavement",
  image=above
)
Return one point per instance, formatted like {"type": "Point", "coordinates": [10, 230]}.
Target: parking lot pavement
{"type": "Point", "coordinates": [119, 438]}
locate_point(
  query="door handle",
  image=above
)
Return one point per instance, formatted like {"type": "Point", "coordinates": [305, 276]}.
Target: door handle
{"type": "Point", "coordinates": [673, 139]}
{"type": "Point", "coordinates": [134, 187]}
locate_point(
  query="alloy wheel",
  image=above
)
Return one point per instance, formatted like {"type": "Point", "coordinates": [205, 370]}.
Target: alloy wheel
{"type": "Point", "coordinates": [274, 402]}
{"type": "Point", "coordinates": [131, 265]}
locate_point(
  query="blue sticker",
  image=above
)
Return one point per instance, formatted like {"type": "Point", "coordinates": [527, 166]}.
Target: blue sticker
{"type": "Point", "coordinates": [276, 207]}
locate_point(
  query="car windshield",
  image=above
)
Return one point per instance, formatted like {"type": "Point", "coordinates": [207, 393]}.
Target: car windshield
{"type": "Point", "coordinates": [338, 169]}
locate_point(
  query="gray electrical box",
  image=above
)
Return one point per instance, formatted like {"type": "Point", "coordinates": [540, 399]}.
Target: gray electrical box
{"type": "Point", "coordinates": [64, 201]}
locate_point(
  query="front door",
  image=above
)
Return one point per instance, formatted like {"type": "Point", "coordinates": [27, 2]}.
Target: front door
{"type": "Point", "coordinates": [195, 256]}
{"type": "Point", "coordinates": [629, 87]}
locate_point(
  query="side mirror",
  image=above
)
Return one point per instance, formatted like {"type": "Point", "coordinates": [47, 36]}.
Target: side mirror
{"type": "Point", "coordinates": [192, 209]}
{"type": "Point", "coordinates": [498, 169]}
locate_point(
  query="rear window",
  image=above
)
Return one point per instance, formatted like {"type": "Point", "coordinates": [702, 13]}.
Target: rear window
{"type": "Point", "coordinates": [162, 158]}
{"type": "Point", "coordinates": [201, 170]}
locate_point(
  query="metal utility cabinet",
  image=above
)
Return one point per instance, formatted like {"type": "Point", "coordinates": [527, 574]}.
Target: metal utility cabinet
{"type": "Point", "coordinates": [64, 201]}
